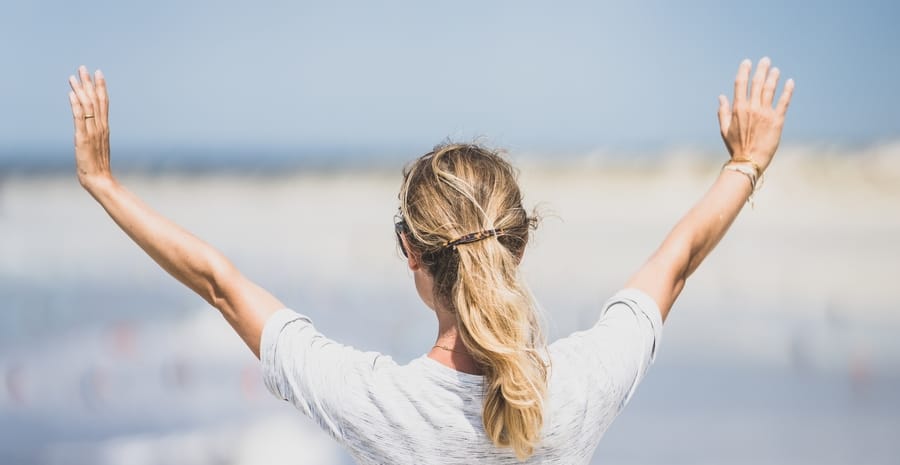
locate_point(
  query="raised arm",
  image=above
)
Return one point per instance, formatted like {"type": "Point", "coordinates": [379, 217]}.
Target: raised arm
{"type": "Point", "coordinates": [188, 259]}
{"type": "Point", "coordinates": [751, 131]}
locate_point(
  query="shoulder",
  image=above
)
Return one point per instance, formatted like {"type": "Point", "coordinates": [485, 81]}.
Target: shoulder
{"type": "Point", "coordinates": [617, 350]}
{"type": "Point", "coordinates": [629, 316]}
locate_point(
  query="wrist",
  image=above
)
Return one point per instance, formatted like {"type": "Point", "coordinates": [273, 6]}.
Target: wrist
{"type": "Point", "coordinates": [748, 170]}
{"type": "Point", "coordinates": [97, 184]}
{"type": "Point", "coordinates": [760, 163]}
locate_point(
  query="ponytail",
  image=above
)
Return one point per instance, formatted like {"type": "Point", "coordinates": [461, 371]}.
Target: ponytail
{"type": "Point", "coordinates": [498, 324]}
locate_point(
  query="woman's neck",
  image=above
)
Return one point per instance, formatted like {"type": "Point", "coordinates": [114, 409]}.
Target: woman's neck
{"type": "Point", "coordinates": [459, 361]}
{"type": "Point", "coordinates": [449, 349]}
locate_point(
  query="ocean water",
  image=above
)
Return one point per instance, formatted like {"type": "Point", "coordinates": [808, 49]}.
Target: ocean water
{"type": "Point", "coordinates": [782, 348]}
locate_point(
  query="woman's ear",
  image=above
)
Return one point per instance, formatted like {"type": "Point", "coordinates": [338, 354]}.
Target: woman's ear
{"type": "Point", "coordinates": [413, 260]}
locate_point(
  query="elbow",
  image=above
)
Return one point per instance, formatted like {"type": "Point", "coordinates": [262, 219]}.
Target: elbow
{"type": "Point", "coordinates": [677, 256]}
{"type": "Point", "coordinates": [220, 283]}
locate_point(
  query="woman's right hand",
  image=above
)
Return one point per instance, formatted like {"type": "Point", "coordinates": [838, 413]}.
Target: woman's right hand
{"type": "Point", "coordinates": [751, 128]}
{"type": "Point", "coordinates": [90, 110]}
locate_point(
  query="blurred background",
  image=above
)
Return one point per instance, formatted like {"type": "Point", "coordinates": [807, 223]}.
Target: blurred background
{"type": "Point", "coordinates": [276, 131]}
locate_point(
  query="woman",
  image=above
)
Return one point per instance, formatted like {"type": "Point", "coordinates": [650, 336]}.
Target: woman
{"type": "Point", "coordinates": [490, 390]}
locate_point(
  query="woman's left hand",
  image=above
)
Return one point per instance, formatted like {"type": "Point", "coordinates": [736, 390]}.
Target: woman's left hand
{"type": "Point", "coordinates": [90, 110]}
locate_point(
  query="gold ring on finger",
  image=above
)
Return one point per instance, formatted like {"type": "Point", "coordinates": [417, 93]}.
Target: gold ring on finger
{"type": "Point", "coordinates": [88, 116]}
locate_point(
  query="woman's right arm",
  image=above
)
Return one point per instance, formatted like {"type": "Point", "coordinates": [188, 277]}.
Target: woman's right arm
{"type": "Point", "coordinates": [751, 131]}
{"type": "Point", "coordinates": [196, 264]}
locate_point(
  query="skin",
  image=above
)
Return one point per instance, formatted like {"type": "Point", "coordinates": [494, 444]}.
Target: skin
{"type": "Point", "coordinates": [751, 129]}
{"type": "Point", "coordinates": [458, 356]}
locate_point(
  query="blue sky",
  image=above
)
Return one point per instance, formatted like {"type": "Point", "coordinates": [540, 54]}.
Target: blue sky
{"type": "Point", "coordinates": [359, 75]}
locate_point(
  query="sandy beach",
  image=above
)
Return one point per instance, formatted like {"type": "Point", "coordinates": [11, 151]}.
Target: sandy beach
{"type": "Point", "coordinates": [804, 283]}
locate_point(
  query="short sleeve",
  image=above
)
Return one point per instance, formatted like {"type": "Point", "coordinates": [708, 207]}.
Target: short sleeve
{"type": "Point", "coordinates": [631, 325]}
{"type": "Point", "coordinates": [617, 351]}
{"type": "Point", "coordinates": [312, 372]}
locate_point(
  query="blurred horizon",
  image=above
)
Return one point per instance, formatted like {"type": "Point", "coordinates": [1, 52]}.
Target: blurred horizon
{"type": "Point", "coordinates": [273, 160]}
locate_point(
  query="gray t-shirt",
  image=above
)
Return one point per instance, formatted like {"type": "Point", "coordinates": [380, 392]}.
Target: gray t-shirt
{"type": "Point", "coordinates": [424, 412]}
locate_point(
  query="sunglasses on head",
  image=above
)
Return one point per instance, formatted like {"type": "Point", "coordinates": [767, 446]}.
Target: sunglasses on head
{"type": "Point", "coordinates": [400, 227]}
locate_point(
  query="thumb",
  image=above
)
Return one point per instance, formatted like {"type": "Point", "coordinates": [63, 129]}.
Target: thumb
{"type": "Point", "coordinates": [724, 114]}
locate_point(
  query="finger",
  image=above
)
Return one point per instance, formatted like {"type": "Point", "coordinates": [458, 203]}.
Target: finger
{"type": "Point", "coordinates": [724, 114]}
{"type": "Point", "coordinates": [759, 78]}
{"type": "Point", "coordinates": [77, 112]}
{"type": "Point", "coordinates": [85, 102]}
{"type": "Point", "coordinates": [768, 92]}
{"type": "Point", "coordinates": [102, 97]}
{"type": "Point", "coordinates": [78, 90]}
{"type": "Point", "coordinates": [785, 98]}
{"type": "Point", "coordinates": [740, 82]}
{"type": "Point", "coordinates": [88, 84]}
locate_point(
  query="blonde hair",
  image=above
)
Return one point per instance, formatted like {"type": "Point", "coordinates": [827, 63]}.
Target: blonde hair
{"type": "Point", "coordinates": [460, 189]}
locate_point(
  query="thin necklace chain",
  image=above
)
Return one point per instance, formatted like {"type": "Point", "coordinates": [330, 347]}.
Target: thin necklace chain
{"type": "Point", "coordinates": [438, 346]}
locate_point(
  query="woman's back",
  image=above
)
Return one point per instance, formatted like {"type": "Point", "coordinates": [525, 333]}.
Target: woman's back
{"type": "Point", "coordinates": [425, 412]}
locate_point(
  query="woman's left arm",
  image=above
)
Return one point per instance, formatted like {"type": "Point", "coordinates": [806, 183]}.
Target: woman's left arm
{"type": "Point", "coordinates": [188, 259]}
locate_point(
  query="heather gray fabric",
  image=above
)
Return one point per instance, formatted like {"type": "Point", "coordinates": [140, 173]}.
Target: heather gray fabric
{"type": "Point", "coordinates": [424, 412]}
